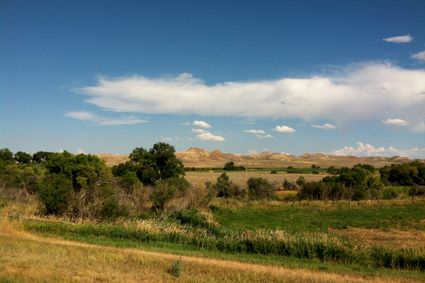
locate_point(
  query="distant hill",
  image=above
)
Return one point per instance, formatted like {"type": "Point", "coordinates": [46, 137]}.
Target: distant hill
{"type": "Point", "coordinates": [198, 157]}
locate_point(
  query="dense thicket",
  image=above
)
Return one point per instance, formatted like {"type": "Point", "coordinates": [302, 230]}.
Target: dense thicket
{"type": "Point", "coordinates": [359, 182]}
{"type": "Point", "coordinates": [406, 174]}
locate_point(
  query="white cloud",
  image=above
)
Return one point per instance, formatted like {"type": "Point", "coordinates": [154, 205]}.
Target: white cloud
{"type": "Point", "coordinates": [102, 121]}
{"type": "Point", "coordinates": [80, 151]}
{"type": "Point", "coordinates": [207, 136]}
{"type": "Point", "coordinates": [254, 132]}
{"type": "Point", "coordinates": [399, 39]}
{"type": "Point", "coordinates": [364, 149]}
{"type": "Point", "coordinates": [201, 124]}
{"type": "Point", "coordinates": [325, 126]}
{"type": "Point", "coordinates": [262, 137]}
{"type": "Point", "coordinates": [370, 91]}
{"type": "Point", "coordinates": [419, 56]}
{"type": "Point", "coordinates": [284, 129]}
{"type": "Point", "coordinates": [395, 122]}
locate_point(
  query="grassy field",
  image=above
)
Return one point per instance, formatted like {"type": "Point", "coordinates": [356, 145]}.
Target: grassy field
{"type": "Point", "coordinates": [240, 177]}
{"type": "Point", "coordinates": [230, 241]}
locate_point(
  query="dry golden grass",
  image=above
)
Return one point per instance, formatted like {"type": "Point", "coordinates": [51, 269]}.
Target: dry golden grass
{"type": "Point", "coordinates": [389, 238]}
{"type": "Point", "coordinates": [240, 178]}
{"type": "Point", "coordinates": [28, 258]}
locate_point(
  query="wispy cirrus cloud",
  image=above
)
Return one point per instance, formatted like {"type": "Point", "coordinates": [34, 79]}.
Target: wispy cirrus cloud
{"type": "Point", "coordinates": [358, 92]}
{"type": "Point", "coordinates": [365, 149]}
{"type": "Point", "coordinates": [284, 129]}
{"type": "Point", "coordinates": [325, 126]}
{"type": "Point", "coordinates": [399, 39]}
{"type": "Point", "coordinates": [102, 121]}
{"type": "Point", "coordinates": [207, 136]}
{"type": "Point", "coordinates": [395, 122]}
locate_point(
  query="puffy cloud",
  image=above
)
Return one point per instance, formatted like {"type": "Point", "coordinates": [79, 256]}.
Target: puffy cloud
{"type": "Point", "coordinates": [364, 149]}
{"type": "Point", "coordinates": [284, 129]}
{"type": "Point", "coordinates": [399, 39]}
{"type": "Point", "coordinates": [207, 136]}
{"type": "Point", "coordinates": [325, 126]}
{"type": "Point", "coordinates": [419, 56]}
{"type": "Point", "coordinates": [201, 124]}
{"type": "Point", "coordinates": [395, 122]}
{"type": "Point", "coordinates": [252, 131]}
{"type": "Point", "coordinates": [358, 92]}
{"type": "Point", "coordinates": [102, 121]}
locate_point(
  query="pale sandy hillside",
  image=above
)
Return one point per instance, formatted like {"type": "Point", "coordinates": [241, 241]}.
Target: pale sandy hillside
{"type": "Point", "coordinates": [198, 157]}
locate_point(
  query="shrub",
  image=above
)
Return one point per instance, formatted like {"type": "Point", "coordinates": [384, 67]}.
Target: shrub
{"type": "Point", "coordinates": [54, 193]}
{"type": "Point", "coordinates": [389, 193]}
{"type": "Point", "coordinates": [225, 188]}
{"type": "Point", "coordinates": [130, 182]}
{"type": "Point", "coordinates": [300, 181]}
{"type": "Point", "coordinates": [273, 172]}
{"type": "Point", "coordinates": [288, 185]}
{"type": "Point", "coordinates": [260, 188]}
{"type": "Point", "coordinates": [166, 190]}
{"type": "Point", "coordinates": [176, 268]}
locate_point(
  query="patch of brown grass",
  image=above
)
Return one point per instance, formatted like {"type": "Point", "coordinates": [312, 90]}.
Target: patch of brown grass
{"type": "Point", "coordinates": [389, 238]}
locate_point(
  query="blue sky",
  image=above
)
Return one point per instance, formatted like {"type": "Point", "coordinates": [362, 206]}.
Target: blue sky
{"type": "Point", "coordinates": [344, 77]}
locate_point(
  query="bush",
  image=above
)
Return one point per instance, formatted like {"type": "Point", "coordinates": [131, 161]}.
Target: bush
{"type": "Point", "coordinates": [288, 185]}
{"type": "Point", "coordinates": [225, 188]}
{"type": "Point", "coordinates": [273, 172]}
{"type": "Point", "coordinates": [130, 182]}
{"type": "Point", "coordinates": [54, 193]}
{"type": "Point", "coordinates": [260, 188]}
{"type": "Point", "coordinates": [166, 190]}
{"type": "Point", "coordinates": [390, 193]}
{"type": "Point", "coordinates": [176, 268]}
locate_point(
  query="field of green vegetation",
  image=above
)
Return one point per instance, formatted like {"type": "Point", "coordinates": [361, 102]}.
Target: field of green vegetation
{"type": "Point", "coordinates": [359, 221]}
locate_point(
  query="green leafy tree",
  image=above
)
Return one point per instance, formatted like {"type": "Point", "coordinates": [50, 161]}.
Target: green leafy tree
{"type": "Point", "coordinates": [6, 155]}
{"type": "Point", "coordinates": [159, 163]}
{"type": "Point", "coordinates": [23, 157]}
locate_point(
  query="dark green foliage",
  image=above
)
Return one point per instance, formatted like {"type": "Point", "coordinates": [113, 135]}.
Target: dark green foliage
{"type": "Point", "coordinates": [300, 181]}
{"type": "Point", "coordinates": [6, 155]}
{"type": "Point", "coordinates": [22, 157]}
{"type": "Point", "coordinates": [230, 166]}
{"type": "Point", "coordinates": [54, 193]}
{"type": "Point", "coordinates": [225, 188]}
{"type": "Point", "coordinates": [41, 156]}
{"type": "Point", "coordinates": [130, 182]}
{"type": "Point", "coordinates": [406, 174]}
{"type": "Point", "coordinates": [192, 217]}
{"type": "Point", "coordinates": [288, 185]}
{"type": "Point", "coordinates": [273, 172]}
{"type": "Point", "coordinates": [331, 170]}
{"type": "Point", "coordinates": [389, 193]}
{"type": "Point", "coordinates": [260, 188]}
{"type": "Point", "coordinates": [356, 183]}
{"type": "Point", "coordinates": [160, 162]}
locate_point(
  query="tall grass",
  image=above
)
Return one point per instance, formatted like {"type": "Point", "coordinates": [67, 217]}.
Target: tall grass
{"type": "Point", "coordinates": [319, 246]}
